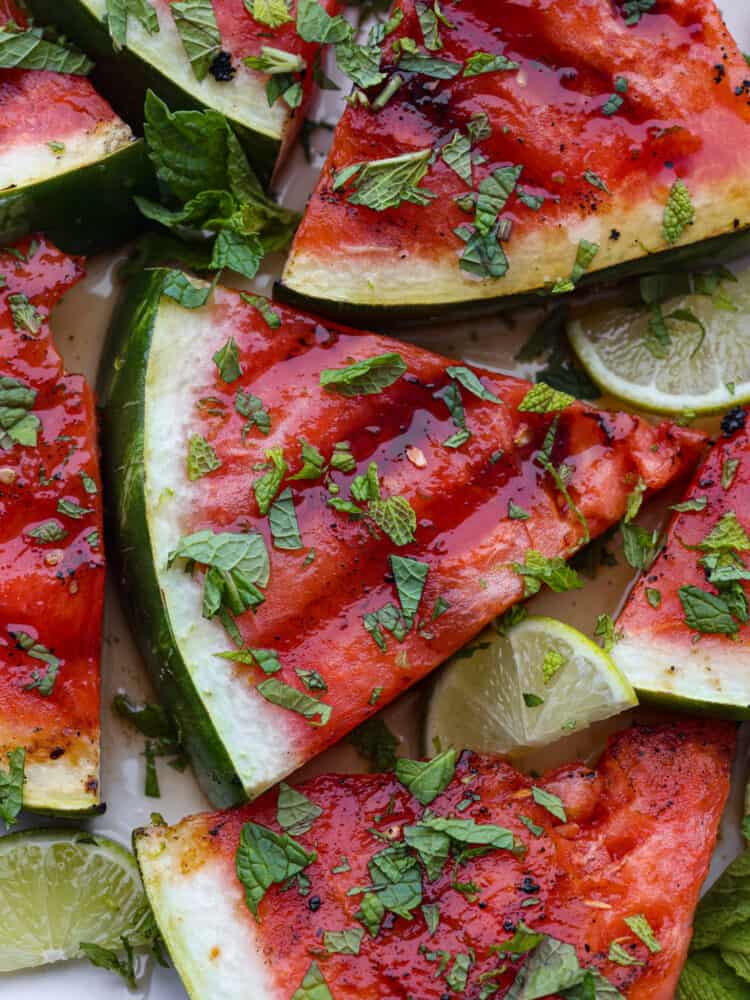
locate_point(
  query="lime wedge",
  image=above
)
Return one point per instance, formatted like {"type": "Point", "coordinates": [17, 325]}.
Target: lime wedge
{"type": "Point", "coordinates": [703, 363]}
{"type": "Point", "coordinates": [61, 887]}
{"type": "Point", "coordinates": [527, 689]}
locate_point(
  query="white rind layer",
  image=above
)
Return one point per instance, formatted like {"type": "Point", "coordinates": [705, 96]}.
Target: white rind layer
{"type": "Point", "coordinates": [706, 671]}
{"type": "Point", "coordinates": [24, 164]}
{"type": "Point", "coordinates": [252, 730]}
{"type": "Point", "coordinates": [242, 99]}
{"type": "Point", "coordinates": [203, 918]}
{"type": "Point", "coordinates": [65, 784]}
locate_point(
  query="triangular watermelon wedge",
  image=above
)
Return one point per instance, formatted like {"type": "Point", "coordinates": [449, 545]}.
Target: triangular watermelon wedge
{"type": "Point", "coordinates": [609, 861]}
{"type": "Point", "coordinates": [51, 546]}
{"type": "Point", "coordinates": [683, 639]}
{"type": "Point", "coordinates": [370, 491]}
{"type": "Point", "coordinates": [534, 142]}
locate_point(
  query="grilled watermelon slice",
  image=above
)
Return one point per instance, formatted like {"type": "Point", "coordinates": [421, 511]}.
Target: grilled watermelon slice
{"type": "Point", "coordinates": [684, 639]}
{"type": "Point", "coordinates": [158, 60]}
{"type": "Point", "coordinates": [68, 164]}
{"type": "Point", "coordinates": [215, 420]}
{"type": "Point", "coordinates": [51, 556]}
{"type": "Point", "coordinates": [628, 845]}
{"type": "Point", "coordinates": [601, 143]}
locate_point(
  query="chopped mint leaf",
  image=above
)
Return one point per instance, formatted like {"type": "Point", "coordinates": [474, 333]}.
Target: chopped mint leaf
{"type": "Point", "coordinates": [552, 803]}
{"type": "Point", "coordinates": [202, 459]}
{"type": "Point", "coordinates": [484, 62]}
{"type": "Point", "coordinates": [11, 786]}
{"type": "Point", "coordinates": [314, 24]}
{"type": "Point", "coordinates": [727, 535]}
{"type": "Point", "coordinates": [427, 779]}
{"type": "Point", "coordinates": [179, 287]}
{"type": "Point", "coordinates": [366, 377]}
{"type": "Point", "coordinates": [267, 486]}
{"type": "Point", "coordinates": [524, 938]}
{"type": "Point", "coordinates": [605, 632]}
{"type": "Point", "coordinates": [640, 926]}
{"type": "Point", "coordinates": [595, 180]}
{"type": "Point", "coordinates": [410, 576]}
{"type": "Point", "coordinates": [199, 33]}
{"type": "Point", "coordinates": [438, 69]}
{"type": "Point", "coordinates": [395, 517]}
{"type": "Point", "coordinates": [266, 659]}
{"type": "Point", "coordinates": [494, 192]}
{"type": "Point", "coordinates": [313, 462]}
{"type": "Point", "coordinates": [47, 532]}
{"type": "Point", "coordinates": [440, 607]}
{"type": "Point", "coordinates": [621, 956]}
{"type": "Point", "coordinates": [118, 12]}
{"type": "Point", "coordinates": [342, 459]}
{"type": "Point", "coordinates": [653, 596]}
{"type": "Point", "coordinates": [89, 484]}
{"type": "Point", "coordinates": [728, 469]}
{"type": "Point", "coordinates": [479, 127]}
{"type": "Point", "coordinates": [72, 509]}
{"type": "Point", "coordinates": [295, 813]}
{"type": "Point", "coordinates": [28, 49]}
{"type": "Point", "coordinates": [458, 975]}
{"type": "Point", "coordinates": [275, 62]}
{"type": "Point", "coordinates": [471, 383]}
{"type": "Point", "coordinates": [531, 826]}
{"type": "Point", "coordinates": [265, 858]}
{"type": "Point", "coordinates": [285, 696]}
{"type": "Point", "coordinates": [271, 316]}
{"type": "Point", "coordinates": [612, 106]}
{"type": "Point", "coordinates": [431, 914]}
{"type": "Point", "coordinates": [538, 569]}
{"type": "Point", "coordinates": [516, 513]}
{"type": "Point", "coordinates": [250, 406]}
{"type": "Point", "coordinates": [688, 506]}
{"type": "Point", "coordinates": [347, 942]}
{"type": "Point", "coordinates": [640, 547]}
{"type": "Point", "coordinates": [585, 255]}
{"type": "Point", "coordinates": [543, 399]}
{"type": "Point", "coordinates": [707, 613]}
{"type": "Point", "coordinates": [110, 959]}
{"type": "Point", "coordinates": [429, 23]}
{"type": "Point", "coordinates": [483, 256]}
{"type": "Point", "coordinates": [633, 10]}
{"type": "Point", "coordinates": [532, 700]}
{"type": "Point", "coordinates": [272, 13]}
{"type": "Point", "coordinates": [17, 424]}
{"type": "Point", "coordinates": [313, 986]}
{"type": "Point", "coordinates": [227, 360]}
{"type": "Point", "coordinates": [282, 519]}
{"type": "Point", "coordinates": [679, 212]}
{"type": "Point", "coordinates": [238, 566]}
{"type": "Point", "coordinates": [312, 680]}
{"type": "Point", "coordinates": [25, 316]}
{"type": "Point", "coordinates": [43, 683]}
{"type": "Point", "coordinates": [457, 154]}
{"type": "Point", "coordinates": [382, 184]}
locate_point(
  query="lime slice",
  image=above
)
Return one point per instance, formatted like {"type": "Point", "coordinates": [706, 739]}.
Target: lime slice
{"type": "Point", "coordinates": [527, 689]}
{"type": "Point", "coordinates": [706, 362]}
{"type": "Point", "coordinates": [61, 887]}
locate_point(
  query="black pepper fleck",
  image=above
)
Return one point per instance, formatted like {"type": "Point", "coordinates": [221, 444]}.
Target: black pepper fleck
{"type": "Point", "coordinates": [733, 421]}
{"type": "Point", "coordinates": [221, 69]}
{"type": "Point", "coordinates": [314, 903]}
